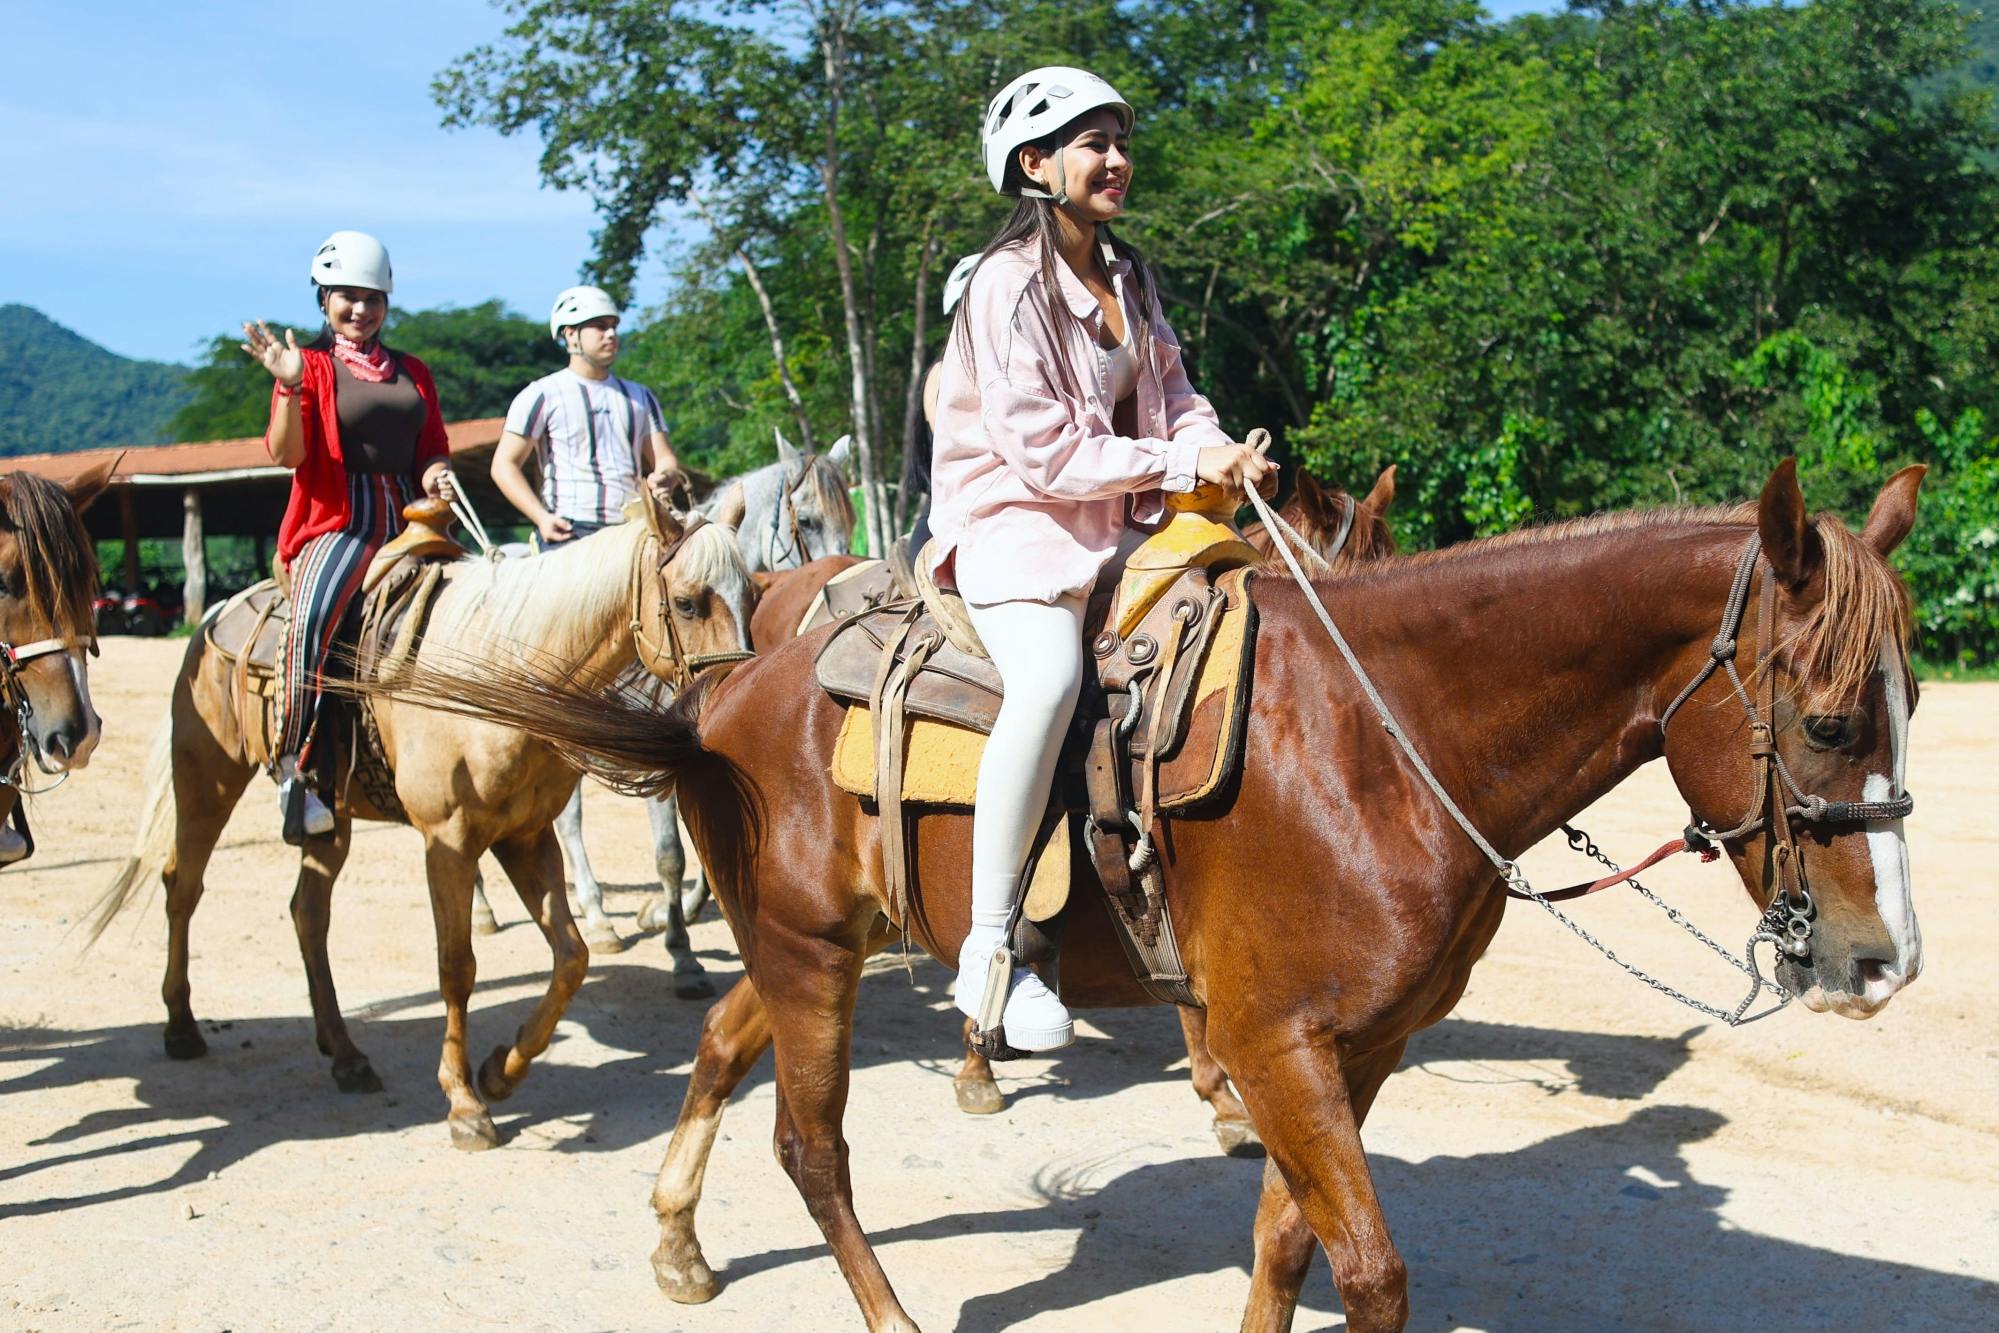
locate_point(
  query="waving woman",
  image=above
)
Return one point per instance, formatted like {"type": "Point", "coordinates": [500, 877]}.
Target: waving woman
{"type": "Point", "coordinates": [359, 426]}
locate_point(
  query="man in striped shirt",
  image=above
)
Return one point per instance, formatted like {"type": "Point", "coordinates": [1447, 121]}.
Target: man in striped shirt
{"type": "Point", "coordinates": [595, 436]}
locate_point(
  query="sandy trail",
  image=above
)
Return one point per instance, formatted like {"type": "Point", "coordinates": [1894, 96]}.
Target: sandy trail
{"type": "Point", "coordinates": [1569, 1151]}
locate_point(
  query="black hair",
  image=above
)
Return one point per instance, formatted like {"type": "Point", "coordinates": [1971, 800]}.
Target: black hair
{"type": "Point", "coordinates": [1033, 220]}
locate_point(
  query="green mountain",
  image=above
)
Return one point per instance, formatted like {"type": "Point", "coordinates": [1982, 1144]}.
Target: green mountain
{"type": "Point", "coordinates": [60, 391]}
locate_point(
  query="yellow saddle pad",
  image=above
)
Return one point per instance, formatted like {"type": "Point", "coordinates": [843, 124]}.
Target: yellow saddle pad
{"type": "Point", "coordinates": [941, 765]}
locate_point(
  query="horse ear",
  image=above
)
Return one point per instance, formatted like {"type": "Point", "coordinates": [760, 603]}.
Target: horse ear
{"type": "Point", "coordinates": [1894, 511]}
{"type": "Point", "coordinates": [660, 517]}
{"type": "Point", "coordinates": [786, 454]}
{"type": "Point", "coordinates": [87, 485]}
{"type": "Point", "coordinates": [1383, 495]}
{"type": "Point", "coordinates": [1311, 497]}
{"type": "Point", "coordinates": [841, 454]}
{"type": "Point", "coordinates": [730, 506]}
{"type": "Point", "coordinates": [1789, 543]}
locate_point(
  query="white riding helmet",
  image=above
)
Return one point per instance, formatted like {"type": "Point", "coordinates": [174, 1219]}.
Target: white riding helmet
{"type": "Point", "coordinates": [961, 278]}
{"type": "Point", "coordinates": [353, 259]}
{"type": "Point", "coordinates": [580, 305]}
{"type": "Point", "coordinates": [1034, 106]}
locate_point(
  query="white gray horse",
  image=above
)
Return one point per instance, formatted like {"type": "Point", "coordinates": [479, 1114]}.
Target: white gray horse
{"type": "Point", "coordinates": [786, 514]}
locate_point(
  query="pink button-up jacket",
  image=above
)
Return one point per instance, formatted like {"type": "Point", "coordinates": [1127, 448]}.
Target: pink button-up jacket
{"type": "Point", "coordinates": [1030, 487]}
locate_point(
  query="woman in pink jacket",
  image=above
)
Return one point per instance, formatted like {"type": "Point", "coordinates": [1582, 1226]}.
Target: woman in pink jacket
{"type": "Point", "coordinates": [1063, 413]}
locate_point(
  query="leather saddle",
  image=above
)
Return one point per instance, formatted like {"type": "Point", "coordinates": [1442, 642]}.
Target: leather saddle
{"type": "Point", "coordinates": [248, 633]}
{"type": "Point", "coordinates": [1159, 728]}
{"type": "Point", "coordinates": [863, 587]}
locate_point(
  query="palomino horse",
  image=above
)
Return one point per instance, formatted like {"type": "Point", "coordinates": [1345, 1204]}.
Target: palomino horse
{"type": "Point", "coordinates": [48, 580]}
{"type": "Point", "coordinates": [668, 593]}
{"type": "Point", "coordinates": [1533, 672]}
{"type": "Point", "coordinates": [785, 514]}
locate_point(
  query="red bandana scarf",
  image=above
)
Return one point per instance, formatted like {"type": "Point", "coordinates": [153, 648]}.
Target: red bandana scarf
{"type": "Point", "coordinates": [371, 362]}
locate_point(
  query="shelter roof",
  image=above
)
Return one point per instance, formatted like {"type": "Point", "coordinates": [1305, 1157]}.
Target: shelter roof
{"type": "Point", "coordinates": [212, 460]}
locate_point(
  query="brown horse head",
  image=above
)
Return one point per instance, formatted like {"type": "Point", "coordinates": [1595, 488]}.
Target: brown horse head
{"type": "Point", "coordinates": [1837, 691]}
{"type": "Point", "coordinates": [1339, 529]}
{"type": "Point", "coordinates": [48, 580]}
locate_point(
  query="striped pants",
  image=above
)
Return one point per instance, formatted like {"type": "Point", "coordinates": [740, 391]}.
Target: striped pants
{"type": "Point", "coordinates": [325, 574]}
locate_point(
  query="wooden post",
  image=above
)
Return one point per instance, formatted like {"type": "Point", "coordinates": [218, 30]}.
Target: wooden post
{"type": "Point", "coordinates": [194, 555]}
{"type": "Point", "coordinates": [128, 522]}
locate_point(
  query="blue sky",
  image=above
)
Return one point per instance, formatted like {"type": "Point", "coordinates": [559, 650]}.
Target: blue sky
{"type": "Point", "coordinates": [169, 169]}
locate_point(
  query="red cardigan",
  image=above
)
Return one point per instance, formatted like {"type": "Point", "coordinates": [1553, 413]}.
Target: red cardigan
{"type": "Point", "coordinates": [319, 484]}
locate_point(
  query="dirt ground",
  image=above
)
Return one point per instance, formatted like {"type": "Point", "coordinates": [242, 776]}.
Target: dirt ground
{"type": "Point", "coordinates": [1569, 1151]}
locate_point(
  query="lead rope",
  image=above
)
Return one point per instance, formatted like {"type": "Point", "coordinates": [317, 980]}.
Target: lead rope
{"type": "Point", "coordinates": [1281, 536]}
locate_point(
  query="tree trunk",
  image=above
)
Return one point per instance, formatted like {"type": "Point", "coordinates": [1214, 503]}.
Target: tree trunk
{"type": "Point", "coordinates": [194, 555]}
{"type": "Point", "coordinates": [833, 24]}
{"type": "Point", "coordinates": [770, 323]}
{"type": "Point", "coordinates": [912, 400]}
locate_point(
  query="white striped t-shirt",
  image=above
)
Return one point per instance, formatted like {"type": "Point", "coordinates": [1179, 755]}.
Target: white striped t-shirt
{"type": "Point", "coordinates": [587, 435]}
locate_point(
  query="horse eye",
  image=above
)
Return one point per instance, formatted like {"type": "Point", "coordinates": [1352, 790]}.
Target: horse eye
{"type": "Point", "coordinates": [1830, 731]}
{"type": "Point", "coordinates": [685, 606]}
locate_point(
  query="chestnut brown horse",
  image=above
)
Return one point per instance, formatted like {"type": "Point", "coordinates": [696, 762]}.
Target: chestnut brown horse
{"type": "Point", "coordinates": [660, 594]}
{"type": "Point", "coordinates": [1533, 672]}
{"type": "Point", "coordinates": [48, 580]}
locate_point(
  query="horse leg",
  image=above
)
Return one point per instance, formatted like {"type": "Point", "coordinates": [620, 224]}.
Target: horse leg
{"type": "Point", "coordinates": [735, 1033]}
{"type": "Point", "coordinates": [813, 984]}
{"type": "Point", "coordinates": [977, 1088]}
{"type": "Point", "coordinates": [534, 864]}
{"type": "Point", "coordinates": [669, 860]}
{"type": "Point", "coordinates": [597, 927]}
{"type": "Point", "coordinates": [312, 915]}
{"type": "Point", "coordinates": [1338, 1205]}
{"type": "Point", "coordinates": [201, 809]}
{"type": "Point", "coordinates": [450, 872]}
{"type": "Point", "coordinates": [1233, 1129]}
{"type": "Point", "coordinates": [483, 920]}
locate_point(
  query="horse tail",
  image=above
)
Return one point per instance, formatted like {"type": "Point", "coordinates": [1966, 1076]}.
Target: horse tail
{"type": "Point", "coordinates": [153, 842]}
{"type": "Point", "coordinates": [619, 733]}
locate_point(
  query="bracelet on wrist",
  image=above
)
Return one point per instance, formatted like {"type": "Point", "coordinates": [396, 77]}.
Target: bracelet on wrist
{"type": "Point", "coordinates": [290, 390]}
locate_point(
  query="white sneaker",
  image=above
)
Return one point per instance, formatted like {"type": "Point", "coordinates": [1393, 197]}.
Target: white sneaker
{"type": "Point", "coordinates": [13, 847]}
{"type": "Point", "coordinates": [1034, 1019]}
{"type": "Point", "coordinates": [314, 820]}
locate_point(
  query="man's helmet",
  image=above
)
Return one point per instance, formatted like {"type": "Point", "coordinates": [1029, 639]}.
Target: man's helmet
{"type": "Point", "coordinates": [579, 305]}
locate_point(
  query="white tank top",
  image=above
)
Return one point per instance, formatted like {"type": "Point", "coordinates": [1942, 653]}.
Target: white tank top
{"type": "Point", "coordinates": [1123, 366]}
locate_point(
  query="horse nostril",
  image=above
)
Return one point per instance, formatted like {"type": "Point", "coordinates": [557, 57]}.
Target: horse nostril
{"type": "Point", "coordinates": [1872, 972]}
{"type": "Point", "coordinates": [58, 744]}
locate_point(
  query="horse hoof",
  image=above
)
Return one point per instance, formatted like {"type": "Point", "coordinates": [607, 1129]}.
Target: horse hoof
{"type": "Point", "coordinates": [1238, 1138]}
{"type": "Point", "coordinates": [686, 1282]}
{"type": "Point", "coordinates": [494, 1085]}
{"type": "Point", "coordinates": [653, 914]}
{"type": "Point", "coordinates": [474, 1133]}
{"type": "Point", "coordinates": [357, 1077]}
{"type": "Point", "coordinates": [188, 1045]}
{"type": "Point", "coordinates": [979, 1096]}
{"type": "Point", "coordinates": [693, 986]}
{"type": "Point", "coordinates": [485, 923]}
{"type": "Point", "coordinates": [603, 939]}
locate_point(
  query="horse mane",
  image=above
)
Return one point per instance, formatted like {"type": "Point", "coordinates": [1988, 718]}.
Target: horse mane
{"type": "Point", "coordinates": [556, 604]}
{"type": "Point", "coordinates": [829, 489]}
{"type": "Point", "coordinates": [58, 559]}
{"type": "Point", "coordinates": [1837, 645]}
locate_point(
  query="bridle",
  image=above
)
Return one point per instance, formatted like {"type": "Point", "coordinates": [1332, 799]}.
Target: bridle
{"type": "Point", "coordinates": [14, 695]}
{"type": "Point", "coordinates": [668, 661]}
{"type": "Point", "coordinates": [1776, 801]}
{"type": "Point", "coordinates": [786, 511]}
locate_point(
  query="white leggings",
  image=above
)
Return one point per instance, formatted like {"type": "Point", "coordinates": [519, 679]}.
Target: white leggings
{"type": "Point", "coordinates": [1038, 649]}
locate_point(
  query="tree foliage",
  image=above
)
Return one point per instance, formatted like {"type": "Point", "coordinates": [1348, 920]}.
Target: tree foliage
{"type": "Point", "coordinates": [1632, 253]}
